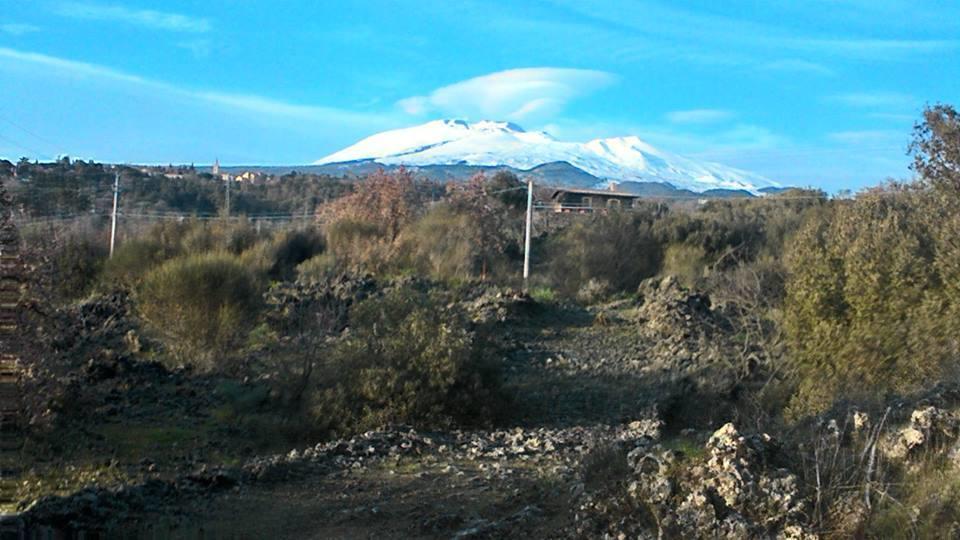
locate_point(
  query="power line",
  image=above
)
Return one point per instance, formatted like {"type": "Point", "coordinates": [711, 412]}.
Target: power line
{"type": "Point", "coordinates": [27, 131]}
{"type": "Point", "coordinates": [20, 146]}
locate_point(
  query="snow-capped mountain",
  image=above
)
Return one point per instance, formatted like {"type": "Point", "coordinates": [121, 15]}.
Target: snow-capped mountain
{"type": "Point", "coordinates": [491, 144]}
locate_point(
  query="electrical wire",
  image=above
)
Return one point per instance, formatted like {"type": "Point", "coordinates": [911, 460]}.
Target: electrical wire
{"type": "Point", "coordinates": [20, 146]}
{"type": "Point", "coordinates": [27, 131]}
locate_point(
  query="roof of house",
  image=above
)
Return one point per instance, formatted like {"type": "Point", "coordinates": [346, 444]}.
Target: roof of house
{"type": "Point", "coordinates": [599, 192]}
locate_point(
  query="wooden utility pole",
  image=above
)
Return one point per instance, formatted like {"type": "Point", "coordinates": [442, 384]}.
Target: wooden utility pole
{"type": "Point", "coordinates": [113, 219]}
{"type": "Point", "coordinates": [228, 197]}
{"type": "Point", "coordinates": [526, 239]}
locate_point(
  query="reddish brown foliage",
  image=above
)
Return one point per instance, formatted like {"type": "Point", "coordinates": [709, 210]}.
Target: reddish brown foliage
{"type": "Point", "coordinates": [386, 199]}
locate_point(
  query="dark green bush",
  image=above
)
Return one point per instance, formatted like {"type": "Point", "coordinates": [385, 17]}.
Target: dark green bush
{"type": "Point", "coordinates": [277, 258]}
{"type": "Point", "coordinates": [76, 267]}
{"type": "Point", "coordinates": [232, 237]}
{"type": "Point", "coordinates": [407, 359]}
{"type": "Point", "coordinates": [871, 297]}
{"type": "Point", "coordinates": [132, 260]}
{"type": "Point", "coordinates": [617, 249]}
{"type": "Point", "coordinates": [441, 245]}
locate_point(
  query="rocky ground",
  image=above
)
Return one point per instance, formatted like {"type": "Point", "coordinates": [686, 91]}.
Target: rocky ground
{"type": "Point", "coordinates": [621, 430]}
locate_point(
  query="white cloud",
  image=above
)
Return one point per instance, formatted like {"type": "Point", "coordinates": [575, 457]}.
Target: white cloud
{"type": "Point", "coordinates": [716, 35]}
{"type": "Point", "coordinates": [869, 137]}
{"type": "Point", "coordinates": [18, 29]}
{"type": "Point", "coordinates": [874, 99]}
{"type": "Point", "coordinates": [895, 117]}
{"type": "Point", "coordinates": [876, 48]}
{"type": "Point", "coordinates": [528, 94]}
{"type": "Point", "coordinates": [199, 47]}
{"type": "Point", "coordinates": [699, 116]}
{"type": "Point", "coordinates": [149, 18]}
{"type": "Point", "coordinates": [794, 65]}
{"type": "Point", "coordinates": [258, 105]}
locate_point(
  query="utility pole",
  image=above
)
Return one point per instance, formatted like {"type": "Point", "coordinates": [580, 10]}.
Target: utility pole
{"type": "Point", "coordinates": [526, 239]}
{"type": "Point", "coordinates": [228, 198]}
{"type": "Point", "coordinates": [113, 219]}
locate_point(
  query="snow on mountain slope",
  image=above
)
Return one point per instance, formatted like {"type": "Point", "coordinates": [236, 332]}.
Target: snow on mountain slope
{"type": "Point", "coordinates": [487, 143]}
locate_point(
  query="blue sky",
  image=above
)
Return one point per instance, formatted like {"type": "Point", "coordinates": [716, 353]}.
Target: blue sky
{"type": "Point", "coordinates": [819, 92]}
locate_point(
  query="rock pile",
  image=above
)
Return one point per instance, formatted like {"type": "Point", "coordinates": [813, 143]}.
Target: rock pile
{"type": "Point", "coordinates": [929, 428]}
{"type": "Point", "coordinates": [492, 306]}
{"type": "Point", "coordinates": [101, 322]}
{"type": "Point", "coordinates": [345, 453]}
{"type": "Point", "coordinates": [100, 508]}
{"type": "Point", "coordinates": [551, 441]}
{"type": "Point", "coordinates": [88, 343]}
{"type": "Point", "coordinates": [684, 335]}
{"type": "Point", "coordinates": [499, 445]}
{"type": "Point", "coordinates": [737, 490]}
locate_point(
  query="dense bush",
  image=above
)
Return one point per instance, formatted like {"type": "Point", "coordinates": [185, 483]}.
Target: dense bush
{"type": "Point", "coordinates": [617, 250]}
{"type": "Point", "coordinates": [688, 263]}
{"type": "Point", "coordinates": [204, 305]}
{"type": "Point", "coordinates": [440, 245]}
{"type": "Point", "coordinates": [872, 296]}
{"type": "Point", "coordinates": [277, 258]}
{"type": "Point", "coordinates": [408, 360]}
{"type": "Point", "coordinates": [232, 237]}
{"type": "Point", "coordinates": [131, 262]}
{"type": "Point", "coordinates": [357, 245]}
{"type": "Point", "coordinates": [76, 267]}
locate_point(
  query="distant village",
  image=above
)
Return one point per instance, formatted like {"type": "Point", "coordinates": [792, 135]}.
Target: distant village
{"type": "Point", "coordinates": [177, 172]}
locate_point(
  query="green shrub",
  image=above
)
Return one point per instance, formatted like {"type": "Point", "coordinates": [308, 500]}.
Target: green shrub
{"type": "Point", "coordinates": [76, 267]}
{"type": "Point", "coordinates": [688, 263]}
{"type": "Point", "coordinates": [277, 258]}
{"type": "Point", "coordinates": [230, 236]}
{"type": "Point", "coordinates": [926, 505]}
{"type": "Point", "coordinates": [870, 305]}
{"type": "Point", "coordinates": [317, 269]}
{"type": "Point", "coordinates": [133, 259]}
{"type": "Point", "coordinates": [358, 245]}
{"type": "Point", "coordinates": [542, 294]}
{"type": "Point", "coordinates": [441, 245]}
{"type": "Point", "coordinates": [618, 249]}
{"type": "Point", "coordinates": [407, 360]}
{"type": "Point", "coordinates": [203, 304]}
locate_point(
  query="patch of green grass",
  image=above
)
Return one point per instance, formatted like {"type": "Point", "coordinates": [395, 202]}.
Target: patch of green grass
{"type": "Point", "coordinates": [132, 442]}
{"type": "Point", "coordinates": [63, 480]}
{"type": "Point", "coordinates": [543, 294]}
{"type": "Point", "coordinates": [687, 446]}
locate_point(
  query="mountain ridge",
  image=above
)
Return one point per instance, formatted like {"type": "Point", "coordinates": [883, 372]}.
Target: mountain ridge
{"type": "Point", "coordinates": [489, 143]}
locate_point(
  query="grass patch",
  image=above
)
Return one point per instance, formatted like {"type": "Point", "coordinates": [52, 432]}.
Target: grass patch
{"type": "Point", "coordinates": [63, 480]}
{"type": "Point", "coordinates": [687, 446]}
{"type": "Point", "coordinates": [543, 294]}
{"type": "Point", "coordinates": [132, 442]}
